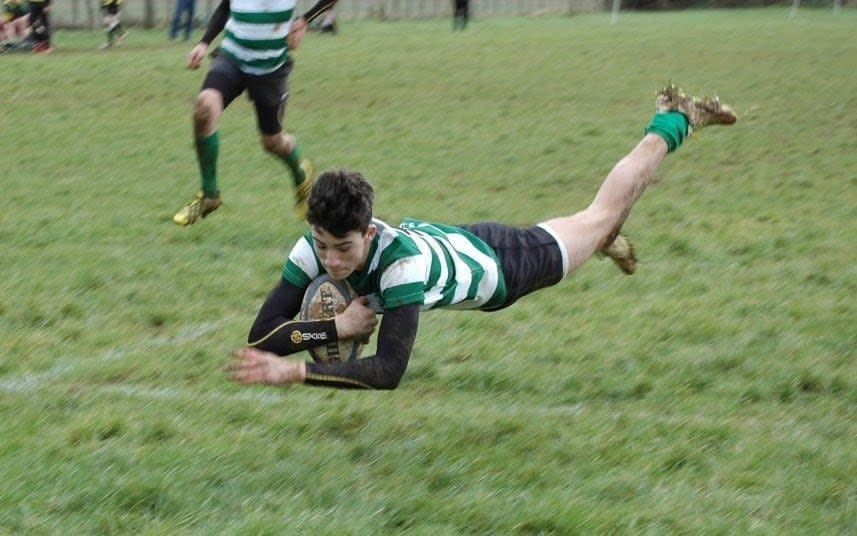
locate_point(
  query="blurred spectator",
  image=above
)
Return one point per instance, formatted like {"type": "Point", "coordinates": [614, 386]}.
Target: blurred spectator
{"type": "Point", "coordinates": [183, 18]}
{"type": "Point", "coordinates": [460, 14]}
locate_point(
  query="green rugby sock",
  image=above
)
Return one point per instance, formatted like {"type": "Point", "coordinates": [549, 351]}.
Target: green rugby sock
{"type": "Point", "coordinates": [206, 153]}
{"type": "Point", "coordinates": [293, 161]}
{"type": "Point", "coordinates": [673, 127]}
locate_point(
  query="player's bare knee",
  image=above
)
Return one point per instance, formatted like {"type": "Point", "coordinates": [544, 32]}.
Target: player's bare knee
{"type": "Point", "coordinates": [202, 108]}
{"type": "Point", "coordinates": [289, 140]}
{"type": "Point", "coordinates": [205, 111]}
{"type": "Point", "coordinates": [278, 144]}
{"type": "Point", "coordinates": [271, 143]}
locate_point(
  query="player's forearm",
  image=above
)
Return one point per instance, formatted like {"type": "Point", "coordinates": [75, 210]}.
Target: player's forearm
{"type": "Point", "coordinates": [385, 369]}
{"type": "Point", "coordinates": [275, 329]}
{"type": "Point", "coordinates": [217, 22]}
{"type": "Point", "coordinates": [376, 372]}
{"type": "Point", "coordinates": [291, 336]}
{"type": "Point", "coordinates": [320, 7]}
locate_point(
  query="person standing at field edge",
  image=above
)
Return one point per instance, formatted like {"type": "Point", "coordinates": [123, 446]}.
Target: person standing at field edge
{"type": "Point", "coordinates": [253, 56]}
{"type": "Point", "coordinates": [460, 14]}
{"type": "Point", "coordinates": [400, 271]}
{"type": "Point", "coordinates": [183, 18]}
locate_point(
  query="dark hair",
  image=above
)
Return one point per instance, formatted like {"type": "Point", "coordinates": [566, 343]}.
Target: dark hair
{"type": "Point", "coordinates": [340, 202]}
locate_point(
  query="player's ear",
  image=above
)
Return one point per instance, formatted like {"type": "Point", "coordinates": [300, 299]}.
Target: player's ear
{"type": "Point", "coordinates": [370, 231]}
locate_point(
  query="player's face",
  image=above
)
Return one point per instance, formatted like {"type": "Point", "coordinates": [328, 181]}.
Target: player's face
{"type": "Point", "coordinates": [342, 255]}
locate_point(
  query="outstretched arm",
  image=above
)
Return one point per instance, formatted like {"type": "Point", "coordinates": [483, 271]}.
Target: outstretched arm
{"type": "Point", "coordinates": [384, 370]}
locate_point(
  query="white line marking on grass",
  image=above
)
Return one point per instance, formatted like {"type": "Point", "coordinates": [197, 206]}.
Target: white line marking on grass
{"type": "Point", "coordinates": [30, 382]}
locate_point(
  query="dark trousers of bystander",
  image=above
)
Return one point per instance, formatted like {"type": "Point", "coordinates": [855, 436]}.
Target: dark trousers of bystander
{"type": "Point", "coordinates": [183, 19]}
{"type": "Point", "coordinates": [461, 14]}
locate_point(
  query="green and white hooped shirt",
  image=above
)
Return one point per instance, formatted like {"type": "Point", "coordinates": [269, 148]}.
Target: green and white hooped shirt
{"type": "Point", "coordinates": [433, 265]}
{"type": "Point", "coordinates": [255, 36]}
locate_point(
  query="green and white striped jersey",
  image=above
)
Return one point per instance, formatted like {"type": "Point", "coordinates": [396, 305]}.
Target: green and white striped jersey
{"type": "Point", "coordinates": [256, 31]}
{"type": "Point", "coordinates": [433, 265]}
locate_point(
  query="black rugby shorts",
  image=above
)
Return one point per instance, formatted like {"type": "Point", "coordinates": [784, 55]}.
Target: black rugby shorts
{"type": "Point", "coordinates": [531, 258]}
{"type": "Point", "coordinates": [269, 92]}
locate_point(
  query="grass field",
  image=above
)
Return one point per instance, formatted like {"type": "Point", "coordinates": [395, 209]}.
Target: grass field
{"type": "Point", "coordinates": [714, 392]}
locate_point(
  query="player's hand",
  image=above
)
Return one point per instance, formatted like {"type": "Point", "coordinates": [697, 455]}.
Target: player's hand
{"type": "Point", "coordinates": [296, 33]}
{"type": "Point", "coordinates": [357, 321]}
{"type": "Point", "coordinates": [251, 365]}
{"type": "Point", "coordinates": [196, 55]}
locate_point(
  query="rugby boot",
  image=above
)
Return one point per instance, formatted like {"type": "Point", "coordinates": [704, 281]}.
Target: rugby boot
{"type": "Point", "coordinates": [621, 252]}
{"type": "Point", "coordinates": [200, 207]}
{"type": "Point", "coordinates": [700, 112]}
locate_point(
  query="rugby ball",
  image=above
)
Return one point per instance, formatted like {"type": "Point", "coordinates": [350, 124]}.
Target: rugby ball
{"type": "Point", "coordinates": [324, 299]}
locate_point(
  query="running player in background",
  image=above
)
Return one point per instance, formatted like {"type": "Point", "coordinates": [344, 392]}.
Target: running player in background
{"type": "Point", "coordinates": [253, 56]}
{"type": "Point", "coordinates": [113, 30]}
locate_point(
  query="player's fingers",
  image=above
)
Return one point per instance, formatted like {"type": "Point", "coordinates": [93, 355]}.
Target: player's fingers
{"type": "Point", "coordinates": [244, 358]}
{"type": "Point", "coordinates": [247, 371]}
{"type": "Point", "coordinates": [249, 353]}
{"type": "Point", "coordinates": [240, 353]}
{"type": "Point", "coordinates": [247, 376]}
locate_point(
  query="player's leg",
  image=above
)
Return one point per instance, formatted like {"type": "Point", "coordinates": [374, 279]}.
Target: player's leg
{"type": "Point", "coordinates": [113, 26]}
{"type": "Point", "coordinates": [21, 27]}
{"type": "Point", "coordinates": [596, 227]}
{"type": "Point", "coordinates": [6, 31]}
{"type": "Point", "coordinates": [13, 29]}
{"type": "Point", "coordinates": [119, 31]}
{"type": "Point", "coordinates": [109, 22]}
{"type": "Point", "coordinates": [223, 83]}
{"type": "Point", "coordinates": [270, 95]}
{"type": "Point", "coordinates": [590, 230]}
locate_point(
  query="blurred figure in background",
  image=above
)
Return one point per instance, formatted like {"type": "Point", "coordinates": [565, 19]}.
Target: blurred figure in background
{"type": "Point", "coordinates": [183, 18]}
{"type": "Point", "coordinates": [15, 21]}
{"type": "Point", "coordinates": [40, 26]}
{"type": "Point", "coordinates": [328, 22]}
{"type": "Point", "coordinates": [460, 14]}
{"type": "Point", "coordinates": [112, 25]}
